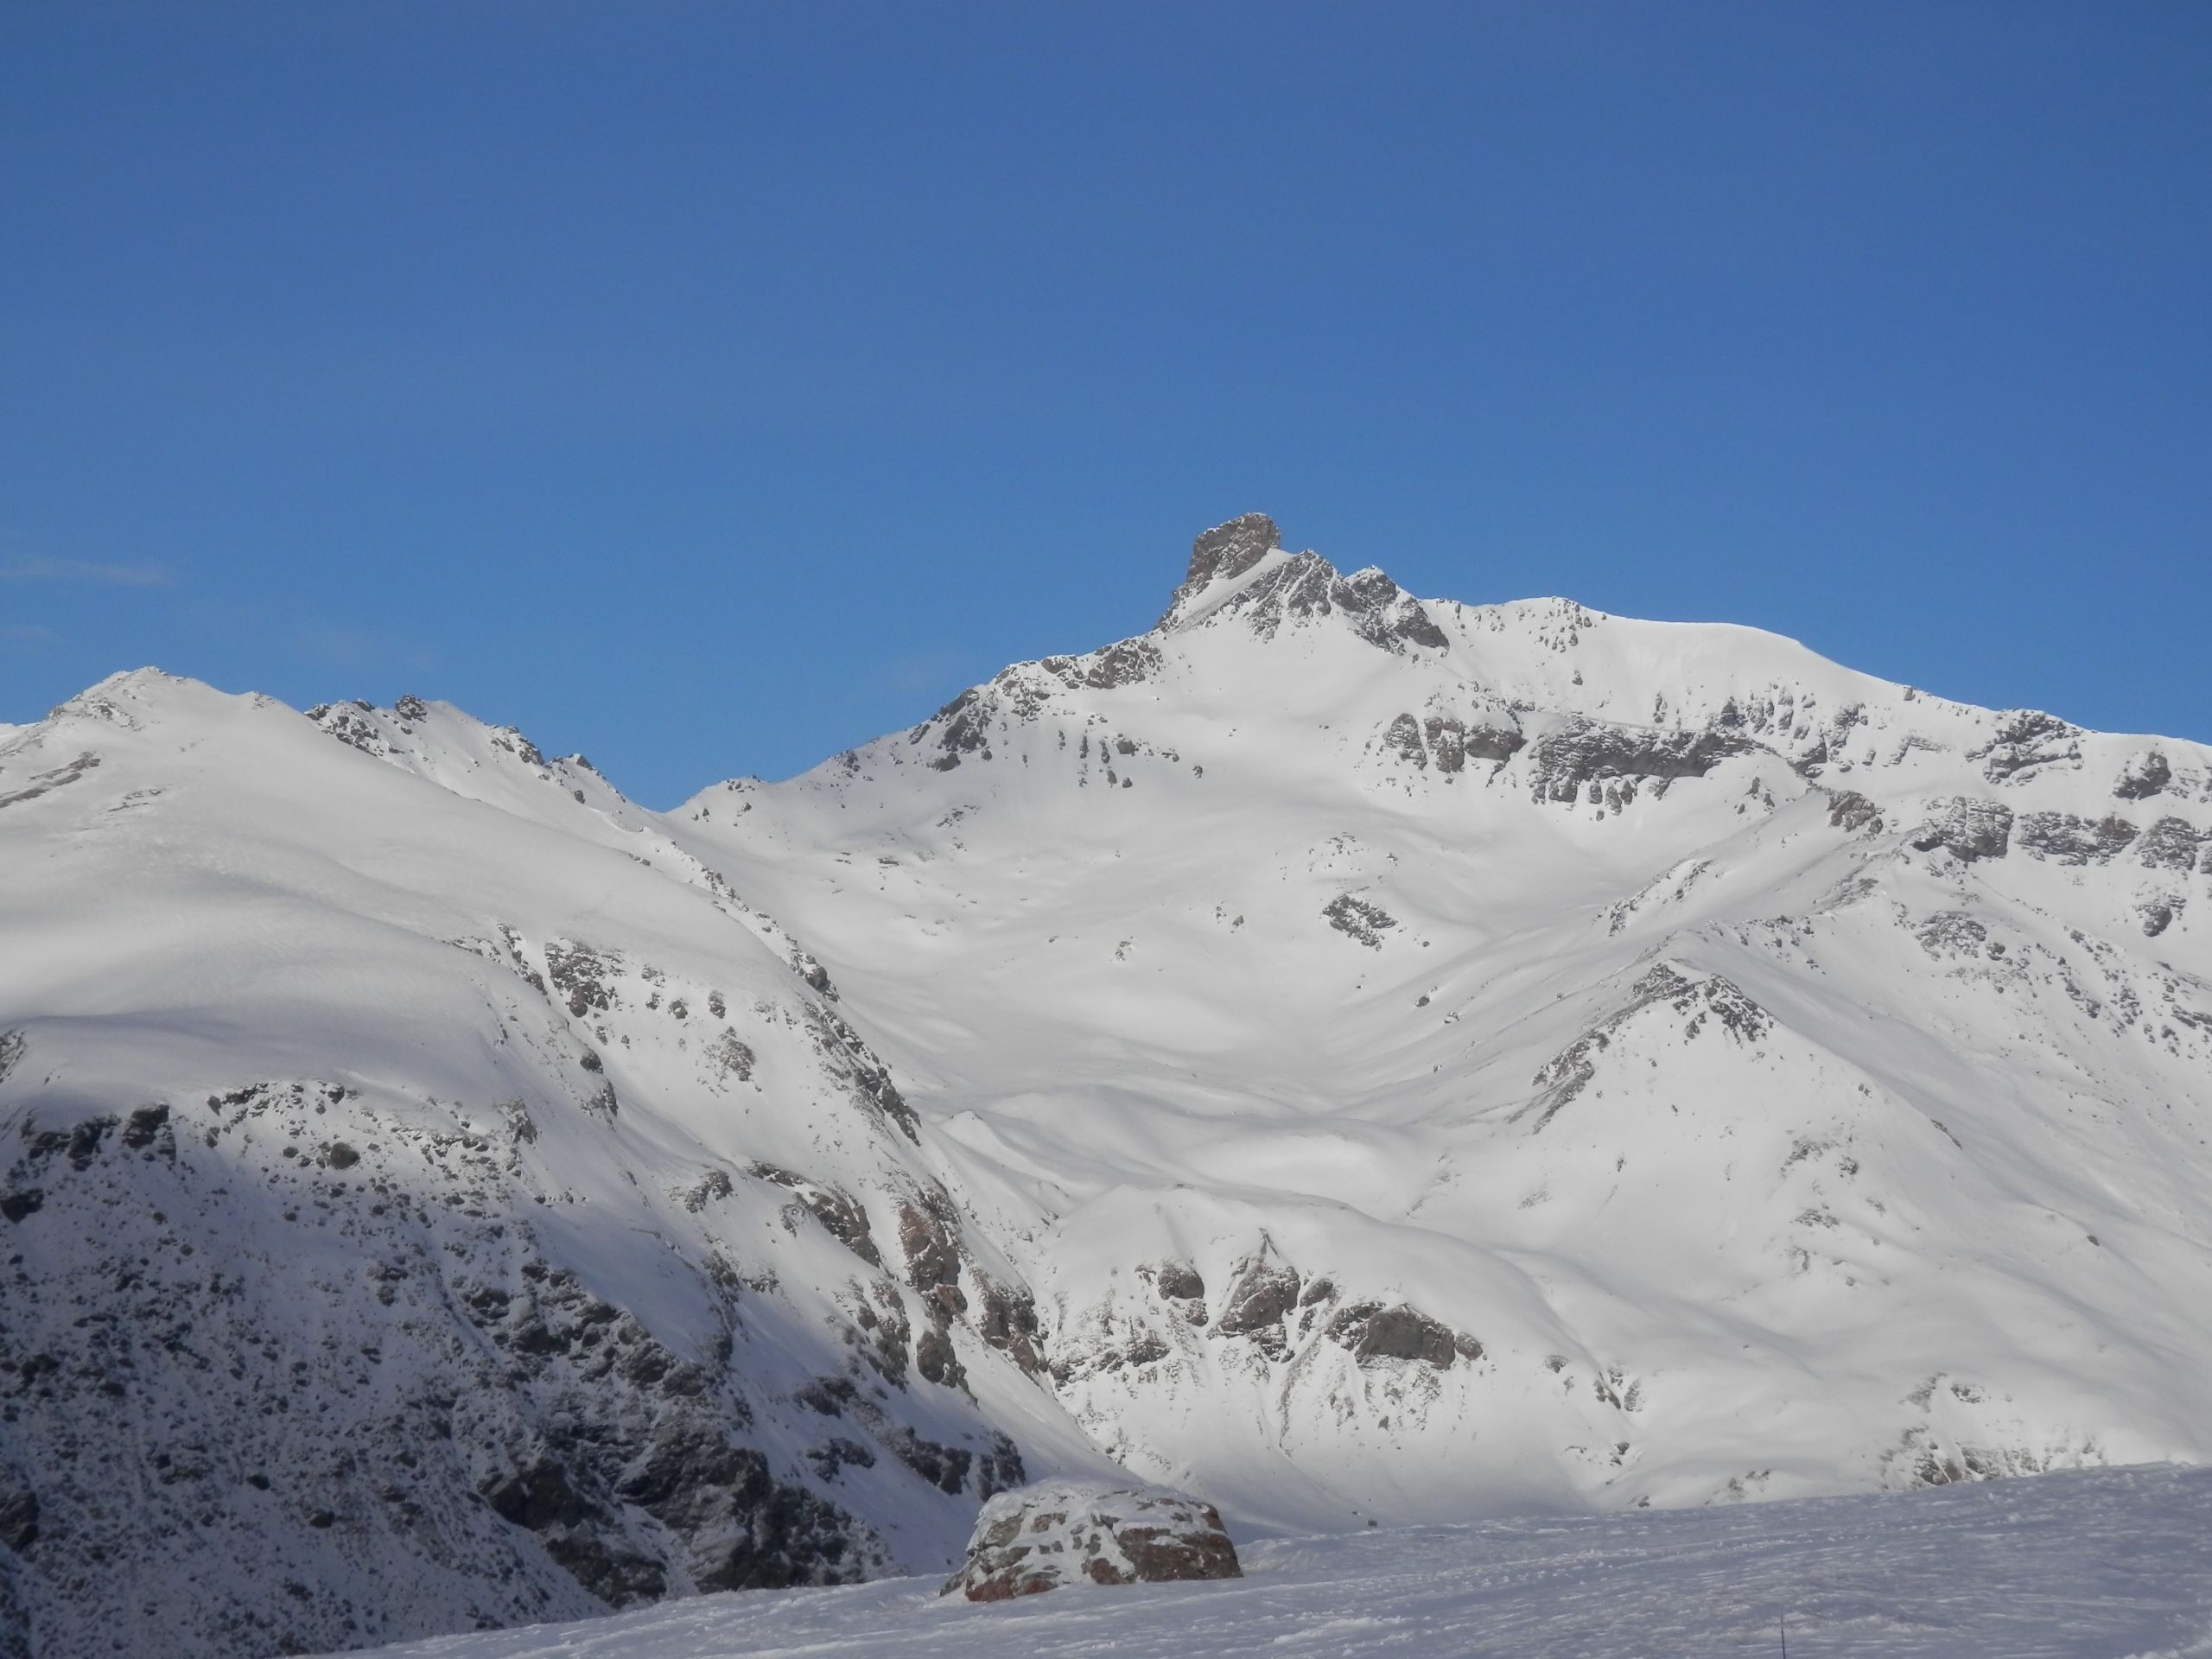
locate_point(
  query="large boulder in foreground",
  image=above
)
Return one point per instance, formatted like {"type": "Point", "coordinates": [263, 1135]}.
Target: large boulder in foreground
{"type": "Point", "coordinates": [1090, 1532]}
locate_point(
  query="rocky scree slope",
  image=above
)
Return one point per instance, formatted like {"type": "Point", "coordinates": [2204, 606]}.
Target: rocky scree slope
{"type": "Point", "coordinates": [1351, 1056]}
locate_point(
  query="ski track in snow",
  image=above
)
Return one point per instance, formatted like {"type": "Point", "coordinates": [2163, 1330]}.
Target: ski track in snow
{"type": "Point", "coordinates": [2088, 1565]}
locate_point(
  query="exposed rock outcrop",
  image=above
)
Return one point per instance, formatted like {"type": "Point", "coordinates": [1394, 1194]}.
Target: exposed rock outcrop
{"type": "Point", "coordinates": [1306, 588]}
{"type": "Point", "coordinates": [1358, 920]}
{"type": "Point", "coordinates": [1374, 1330]}
{"type": "Point", "coordinates": [1226, 551]}
{"type": "Point", "coordinates": [2143, 776]}
{"type": "Point", "coordinates": [2027, 740]}
{"type": "Point", "coordinates": [2066, 839]}
{"type": "Point", "coordinates": [1265, 1290]}
{"type": "Point", "coordinates": [1586, 757]}
{"type": "Point", "coordinates": [1968, 829]}
{"type": "Point", "coordinates": [2170, 844]}
{"type": "Point", "coordinates": [1058, 1532]}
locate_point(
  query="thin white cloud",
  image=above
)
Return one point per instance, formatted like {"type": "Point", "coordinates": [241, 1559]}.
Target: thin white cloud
{"type": "Point", "coordinates": [91, 572]}
{"type": "Point", "coordinates": [26, 635]}
{"type": "Point", "coordinates": [918, 673]}
{"type": "Point", "coordinates": [357, 648]}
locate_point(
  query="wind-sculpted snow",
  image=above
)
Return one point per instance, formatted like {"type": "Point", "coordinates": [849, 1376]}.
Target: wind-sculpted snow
{"type": "Point", "coordinates": [2090, 1566]}
{"type": "Point", "coordinates": [1346, 1056]}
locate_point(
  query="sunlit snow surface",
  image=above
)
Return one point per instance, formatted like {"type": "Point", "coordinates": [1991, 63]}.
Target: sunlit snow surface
{"type": "Point", "coordinates": [1347, 1056]}
{"type": "Point", "coordinates": [2100, 1564]}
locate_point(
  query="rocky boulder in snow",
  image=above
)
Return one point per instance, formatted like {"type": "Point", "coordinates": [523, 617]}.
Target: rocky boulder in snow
{"type": "Point", "coordinates": [1090, 1532]}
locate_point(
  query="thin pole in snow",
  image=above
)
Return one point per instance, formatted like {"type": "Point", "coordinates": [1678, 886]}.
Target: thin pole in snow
{"type": "Point", "coordinates": [1782, 1624]}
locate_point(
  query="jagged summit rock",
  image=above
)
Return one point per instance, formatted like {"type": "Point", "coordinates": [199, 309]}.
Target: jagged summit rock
{"type": "Point", "coordinates": [1291, 588]}
{"type": "Point", "coordinates": [1092, 1532]}
{"type": "Point", "coordinates": [1224, 553]}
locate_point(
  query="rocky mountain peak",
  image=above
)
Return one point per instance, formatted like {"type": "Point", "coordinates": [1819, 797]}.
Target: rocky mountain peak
{"type": "Point", "coordinates": [1231, 549]}
{"type": "Point", "coordinates": [1295, 590]}
{"type": "Point", "coordinates": [1225, 552]}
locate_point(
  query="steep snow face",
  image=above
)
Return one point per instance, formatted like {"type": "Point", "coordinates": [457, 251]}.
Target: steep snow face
{"type": "Point", "coordinates": [1434, 1059]}
{"type": "Point", "coordinates": [431, 1198]}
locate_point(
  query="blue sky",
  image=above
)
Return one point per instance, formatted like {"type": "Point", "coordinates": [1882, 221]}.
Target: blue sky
{"type": "Point", "coordinates": [709, 387]}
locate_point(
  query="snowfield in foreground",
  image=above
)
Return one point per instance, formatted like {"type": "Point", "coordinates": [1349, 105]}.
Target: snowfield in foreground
{"type": "Point", "coordinates": [2093, 1565]}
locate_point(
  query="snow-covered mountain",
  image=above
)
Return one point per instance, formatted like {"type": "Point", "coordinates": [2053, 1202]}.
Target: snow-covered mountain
{"type": "Point", "coordinates": [1356, 1057]}
{"type": "Point", "coordinates": [432, 1198]}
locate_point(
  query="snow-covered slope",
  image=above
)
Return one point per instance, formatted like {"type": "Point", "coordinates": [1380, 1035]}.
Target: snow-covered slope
{"type": "Point", "coordinates": [2090, 1566]}
{"type": "Point", "coordinates": [1434, 1059]}
{"type": "Point", "coordinates": [428, 1202]}
{"type": "Point", "coordinates": [1353, 1057]}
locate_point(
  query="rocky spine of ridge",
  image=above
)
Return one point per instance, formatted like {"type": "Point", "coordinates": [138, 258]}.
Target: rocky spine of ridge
{"type": "Point", "coordinates": [1300, 587]}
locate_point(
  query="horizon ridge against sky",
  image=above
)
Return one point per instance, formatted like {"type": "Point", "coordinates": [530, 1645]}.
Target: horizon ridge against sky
{"type": "Point", "coordinates": [709, 390]}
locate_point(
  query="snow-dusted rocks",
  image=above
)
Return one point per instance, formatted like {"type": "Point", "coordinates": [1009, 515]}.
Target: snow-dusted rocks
{"type": "Point", "coordinates": [1223, 553]}
{"type": "Point", "coordinates": [1090, 1532]}
{"type": "Point", "coordinates": [1238, 571]}
{"type": "Point", "coordinates": [2146, 773]}
{"type": "Point", "coordinates": [1966, 829]}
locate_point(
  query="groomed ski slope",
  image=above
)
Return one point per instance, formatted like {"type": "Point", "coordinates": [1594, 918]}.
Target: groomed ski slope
{"type": "Point", "coordinates": [2089, 1565]}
